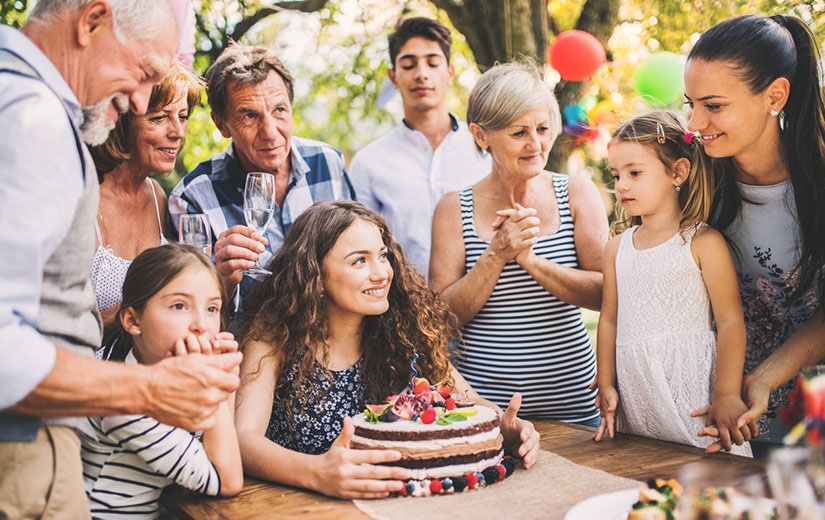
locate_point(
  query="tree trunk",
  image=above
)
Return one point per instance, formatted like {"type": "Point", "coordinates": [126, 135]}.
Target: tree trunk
{"type": "Point", "coordinates": [501, 30]}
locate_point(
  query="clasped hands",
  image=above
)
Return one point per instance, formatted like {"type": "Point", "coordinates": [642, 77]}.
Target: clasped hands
{"type": "Point", "coordinates": [188, 386]}
{"type": "Point", "coordinates": [516, 232]}
{"type": "Point", "coordinates": [755, 393]}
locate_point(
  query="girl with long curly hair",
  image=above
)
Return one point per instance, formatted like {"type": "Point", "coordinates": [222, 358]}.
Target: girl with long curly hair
{"type": "Point", "coordinates": [335, 326]}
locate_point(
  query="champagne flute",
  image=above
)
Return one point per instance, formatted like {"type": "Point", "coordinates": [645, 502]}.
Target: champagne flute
{"type": "Point", "coordinates": [194, 229]}
{"type": "Point", "coordinates": [258, 208]}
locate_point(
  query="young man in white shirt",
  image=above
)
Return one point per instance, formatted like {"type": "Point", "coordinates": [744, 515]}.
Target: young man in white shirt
{"type": "Point", "coordinates": [403, 174]}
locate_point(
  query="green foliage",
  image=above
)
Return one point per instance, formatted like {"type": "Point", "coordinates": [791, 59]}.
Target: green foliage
{"type": "Point", "coordinates": [13, 12]}
{"type": "Point", "coordinates": [673, 26]}
{"type": "Point", "coordinates": [339, 58]}
{"type": "Point", "coordinates": [650, 26]}
{"type": "Point", "coordinates": [337, 52]}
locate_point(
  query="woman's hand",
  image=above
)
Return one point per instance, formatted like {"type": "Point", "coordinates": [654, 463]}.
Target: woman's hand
{"type": "Point", "coordinates": [516, 232]}
{"type": "Point", "coordinates": [520, 436]}
{"type": "Point", "coordinates": [756, 393]}
{"type": "Point", "coordinates": [607, 402]}
{"type": "Point", "coordinates": [347, 473]}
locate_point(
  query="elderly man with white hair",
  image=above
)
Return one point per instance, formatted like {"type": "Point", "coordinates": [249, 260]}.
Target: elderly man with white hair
{"type": "Point", "coordinates": [64, 79]}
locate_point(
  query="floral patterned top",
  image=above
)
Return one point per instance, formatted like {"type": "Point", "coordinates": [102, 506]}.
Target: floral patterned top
{"type": "Point", "coordinates": [766, 240]}
{"type": "Point", "coordinates": [313, 427]}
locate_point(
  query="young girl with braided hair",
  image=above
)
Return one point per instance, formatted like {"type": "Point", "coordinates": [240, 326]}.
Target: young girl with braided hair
{"type": "Point", "coordinates": [668, 279]}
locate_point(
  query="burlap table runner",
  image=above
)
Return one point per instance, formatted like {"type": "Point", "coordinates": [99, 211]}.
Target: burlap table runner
{"type": "Point", "coordinates": [545, 491]}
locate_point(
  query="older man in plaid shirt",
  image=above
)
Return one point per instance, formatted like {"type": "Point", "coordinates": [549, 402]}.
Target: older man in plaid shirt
{"type": "Point", "coordinates": [250, 96]}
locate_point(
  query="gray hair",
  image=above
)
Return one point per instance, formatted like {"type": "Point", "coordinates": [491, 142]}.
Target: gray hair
{"type": "Point", "coordinates": [246, 64]}
{"type": "Point", "coordinates": [132, 19]}
{"type": "Point", "coordinates": [505, 92]}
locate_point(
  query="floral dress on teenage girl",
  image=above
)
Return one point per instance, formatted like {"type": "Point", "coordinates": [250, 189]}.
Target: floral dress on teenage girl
{"type": "Point", "coordinates": [313, 426]}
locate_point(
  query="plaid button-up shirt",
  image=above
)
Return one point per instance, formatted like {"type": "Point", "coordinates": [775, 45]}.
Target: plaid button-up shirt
{"type": "Point", "coordinates": [215, 187]}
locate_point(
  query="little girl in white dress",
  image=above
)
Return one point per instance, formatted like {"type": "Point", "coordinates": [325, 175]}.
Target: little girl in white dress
{"type": "Point", "coordinates": [668, 280]}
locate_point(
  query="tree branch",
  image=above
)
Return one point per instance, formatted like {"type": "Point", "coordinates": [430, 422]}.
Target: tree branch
{"type": "Point", "coordinates": [305, 6]}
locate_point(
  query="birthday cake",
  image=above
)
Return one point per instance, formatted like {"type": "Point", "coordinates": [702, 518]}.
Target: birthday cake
{"type": "Point", "coordinates": [448, 443]}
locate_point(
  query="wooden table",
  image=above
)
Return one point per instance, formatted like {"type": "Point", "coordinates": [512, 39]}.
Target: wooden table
{"type": "Point", "coordinates": [626, 455]}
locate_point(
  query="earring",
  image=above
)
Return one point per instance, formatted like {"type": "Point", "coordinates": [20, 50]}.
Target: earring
{"type": "Point", "coordinates": [678, 188]}
{"type": "Point", "coordinates": [774, 113]}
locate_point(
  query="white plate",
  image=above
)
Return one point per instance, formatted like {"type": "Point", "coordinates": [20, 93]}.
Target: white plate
{"type": "Point", "coordinates": [608, 506]}
{"type": "Point", "coordinates": [615, 505]}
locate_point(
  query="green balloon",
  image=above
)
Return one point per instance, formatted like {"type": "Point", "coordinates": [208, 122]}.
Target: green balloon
{"type": "Point", "coordinates": [660, 78]}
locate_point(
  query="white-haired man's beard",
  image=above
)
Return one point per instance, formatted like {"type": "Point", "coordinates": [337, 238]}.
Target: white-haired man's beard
{"type": "Point", "coordinates": [96, 124]}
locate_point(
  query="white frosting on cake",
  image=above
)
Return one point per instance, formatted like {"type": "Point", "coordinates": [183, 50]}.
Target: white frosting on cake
{"type": "Point", "coordinates": [477, 438]}
{"type": "Point", "coordinates": [482, 415]}
{"type": "Point", "coordinates": [457, 469]}
{"type": "Point", "coordinates": [431, 452]}
{"type": "Point", "coordinates": [464, 440]}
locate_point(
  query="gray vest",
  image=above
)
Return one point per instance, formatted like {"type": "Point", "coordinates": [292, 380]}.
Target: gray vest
{"type": "Point", "coordinates": [68, 309]}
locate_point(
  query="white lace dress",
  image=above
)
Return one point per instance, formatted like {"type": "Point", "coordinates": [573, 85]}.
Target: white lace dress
{"type": "Point", "coordinates": [665, 343]}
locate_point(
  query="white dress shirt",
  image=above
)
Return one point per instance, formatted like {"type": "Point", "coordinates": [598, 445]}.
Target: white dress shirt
{"type": "Point", "coordinates": [402, 177]}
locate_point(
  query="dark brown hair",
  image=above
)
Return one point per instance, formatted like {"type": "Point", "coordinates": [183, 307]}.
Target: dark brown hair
{"type": "Point", "coordinates": [150, 272]}
{"type": "Point", "coordinates": [422, 27]}
{"type": "Point", "coordinates": [286, 310]}
{"type": "Point", "coordinates": [762, 49]}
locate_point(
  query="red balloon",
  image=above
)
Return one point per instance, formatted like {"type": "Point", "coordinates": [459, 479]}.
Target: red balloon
{"type": "Point", "coordinates": [577, 55]}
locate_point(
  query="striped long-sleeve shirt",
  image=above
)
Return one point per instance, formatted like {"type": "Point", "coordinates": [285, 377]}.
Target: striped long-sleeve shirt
{"type": "Point", "coordinates": [128, 460]}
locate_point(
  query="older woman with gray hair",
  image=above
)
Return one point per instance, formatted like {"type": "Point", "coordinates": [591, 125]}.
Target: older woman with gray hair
{"type": "Point", "coordinates": [518, 253]}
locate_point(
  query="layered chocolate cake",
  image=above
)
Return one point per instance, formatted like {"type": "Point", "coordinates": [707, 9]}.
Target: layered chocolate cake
{"type": "Point", "coordinates": [447, 443]}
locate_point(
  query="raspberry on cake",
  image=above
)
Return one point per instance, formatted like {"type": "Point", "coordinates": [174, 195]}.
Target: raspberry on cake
{"type": "Point", "coordinates": [448, 443]}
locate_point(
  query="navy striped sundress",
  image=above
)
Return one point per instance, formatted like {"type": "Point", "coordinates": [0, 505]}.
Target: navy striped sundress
{"type": "Point", "coordinates": [525, 339]}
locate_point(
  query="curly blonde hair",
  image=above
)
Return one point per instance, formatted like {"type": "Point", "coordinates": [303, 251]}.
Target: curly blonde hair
{"type": "Point", "coordinates": [286, 310]}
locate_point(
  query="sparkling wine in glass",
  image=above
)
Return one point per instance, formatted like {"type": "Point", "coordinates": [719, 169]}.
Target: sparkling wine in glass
{"type": "Point", "coordinates": [258, 208]}
{"type": "Point", "coordinates": [194, 229]}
